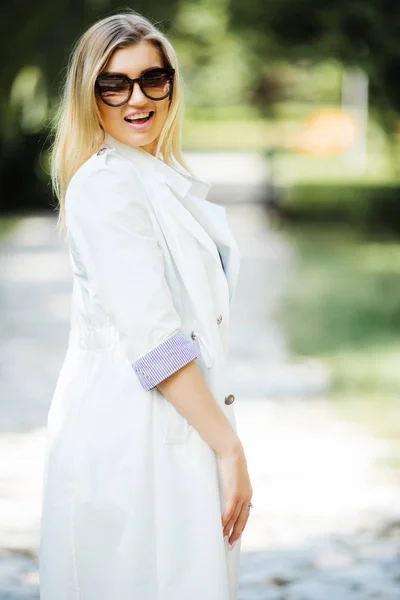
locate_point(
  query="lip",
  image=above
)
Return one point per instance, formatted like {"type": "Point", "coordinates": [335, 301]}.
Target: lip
{"type": "Point", "coordinates": [140, 126]}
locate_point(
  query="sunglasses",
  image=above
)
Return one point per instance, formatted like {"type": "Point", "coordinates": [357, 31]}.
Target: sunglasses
{"type": "Point", "coordinates": [116, 89]}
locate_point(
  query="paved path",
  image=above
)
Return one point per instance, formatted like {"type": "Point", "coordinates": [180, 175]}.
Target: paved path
{"type": "Point", "coordinates": [326, 522]}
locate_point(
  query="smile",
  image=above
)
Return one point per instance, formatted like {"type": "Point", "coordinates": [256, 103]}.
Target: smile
{"type": "Point", "coordinates": [140, 121]}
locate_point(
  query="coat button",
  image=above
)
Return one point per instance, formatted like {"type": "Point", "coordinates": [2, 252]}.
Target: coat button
{"type": "Point", "coordinates": [229, 399]}
{"type": "Point", "coordinates": [193, 335]}
{"type": "Point", "coordinates": [219, 320]}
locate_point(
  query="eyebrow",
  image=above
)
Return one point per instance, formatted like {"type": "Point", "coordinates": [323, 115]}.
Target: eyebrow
{"type": "Point", "coordinates": [125, 75]}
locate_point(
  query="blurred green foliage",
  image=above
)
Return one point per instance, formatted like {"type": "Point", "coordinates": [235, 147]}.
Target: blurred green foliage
{"type": "Point", "coordinates": [253, 71]}
{"type": "Point", "coordinates": [354, 32]}
{"type": "Point", "coordinates": [343, 306]}
{"type": "Point", "coordinates": [365, 206]}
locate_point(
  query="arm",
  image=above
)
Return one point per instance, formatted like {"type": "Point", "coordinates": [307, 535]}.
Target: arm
{"type": "Point", "coordinates": [188, 391]}
{"type": "Point", "coordinates": [109, 225]}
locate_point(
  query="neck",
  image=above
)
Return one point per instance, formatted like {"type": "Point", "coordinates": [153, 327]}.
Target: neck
{"type": "Point", "coordinates": [150, 148]}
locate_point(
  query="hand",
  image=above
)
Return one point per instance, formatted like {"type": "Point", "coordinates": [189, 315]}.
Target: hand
{"type": "Point", "coordinates": [238, 493]}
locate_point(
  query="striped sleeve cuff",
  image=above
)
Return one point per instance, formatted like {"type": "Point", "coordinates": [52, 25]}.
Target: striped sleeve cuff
{"type": "Point", "coordinates": [163, 360]}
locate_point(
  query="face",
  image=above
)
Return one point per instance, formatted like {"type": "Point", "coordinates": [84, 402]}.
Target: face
{"type": "Point", "coordinates": [133, 61]}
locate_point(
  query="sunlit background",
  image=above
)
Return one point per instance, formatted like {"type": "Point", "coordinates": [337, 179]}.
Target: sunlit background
{"type": "Point", "coordinates": [292, 113]}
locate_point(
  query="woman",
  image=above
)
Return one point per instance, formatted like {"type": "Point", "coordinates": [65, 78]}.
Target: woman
{"type": "Point", "coordinates": [146, 488]}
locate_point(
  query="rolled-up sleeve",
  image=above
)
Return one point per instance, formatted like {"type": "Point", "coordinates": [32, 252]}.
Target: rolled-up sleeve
{"type": "Point", "coordinates": [160, 362]}
{"type": "Point", "coordinates": [108, 220]}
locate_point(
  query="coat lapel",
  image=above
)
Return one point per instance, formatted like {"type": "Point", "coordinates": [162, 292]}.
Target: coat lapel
{"type": "Point", "coordinates": [209, 222]}
{"type": "Point", "coordinates": [205, 220]}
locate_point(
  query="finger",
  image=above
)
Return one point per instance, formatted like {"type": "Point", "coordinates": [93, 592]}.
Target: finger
{"type": "Point", "coordinates": [233, 514]}
{"type": "Point", "coordinates": [231, 521]}
{"type": "Point", "coordinates": [229, 511]}
{"type": "Point", "coordinates": [233, 518]}
{"type": "Point", "coordinates": [240, 524]}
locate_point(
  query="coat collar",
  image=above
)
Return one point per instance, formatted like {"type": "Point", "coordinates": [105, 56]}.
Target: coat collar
{"type": "Point", "coordinates": [180, 182]}
{"type": "Point", "coordinates": [204, 219]}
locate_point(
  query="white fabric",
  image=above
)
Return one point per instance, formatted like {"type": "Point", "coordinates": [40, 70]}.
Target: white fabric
{"type": "Point", "coordinates": [132, 497]}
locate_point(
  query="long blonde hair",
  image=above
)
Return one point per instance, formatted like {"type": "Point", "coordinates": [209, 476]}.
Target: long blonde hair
{"type": "Point", "coordinates": [78, 129]}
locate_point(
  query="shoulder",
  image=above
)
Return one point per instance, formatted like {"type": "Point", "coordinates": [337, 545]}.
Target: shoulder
{"type": "Point", "coordinates": [105, 178]}
{"type": "Point", "coordinates": [107, 162]}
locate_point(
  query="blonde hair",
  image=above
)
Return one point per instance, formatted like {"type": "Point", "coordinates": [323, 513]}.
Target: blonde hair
{"type": "Point", "coordinates": [78, 130]}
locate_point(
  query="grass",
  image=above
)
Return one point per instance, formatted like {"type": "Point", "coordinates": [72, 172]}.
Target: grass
{"type": "Point", "coordinates": [344, 307]}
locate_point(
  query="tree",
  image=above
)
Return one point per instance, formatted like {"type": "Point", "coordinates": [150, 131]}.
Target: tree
{"type": "Point", "coordinates": [360, 33]}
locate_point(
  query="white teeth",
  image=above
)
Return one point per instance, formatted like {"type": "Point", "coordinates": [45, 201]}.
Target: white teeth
{"type": "Point", "coordinates": [138, 116]}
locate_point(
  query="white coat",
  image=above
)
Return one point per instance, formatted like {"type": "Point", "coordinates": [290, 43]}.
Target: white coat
{"type": "Point", "coordinates": [132, 495]}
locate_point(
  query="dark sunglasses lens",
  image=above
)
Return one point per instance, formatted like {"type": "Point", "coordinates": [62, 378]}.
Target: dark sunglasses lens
{"type": "Point", "coordinates": [114, 90]}
{"type": "Point", "coordinates": [156, 83]}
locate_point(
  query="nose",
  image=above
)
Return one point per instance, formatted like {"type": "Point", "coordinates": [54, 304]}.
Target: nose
{"type": "Point", "coordinates": [137, 96]}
